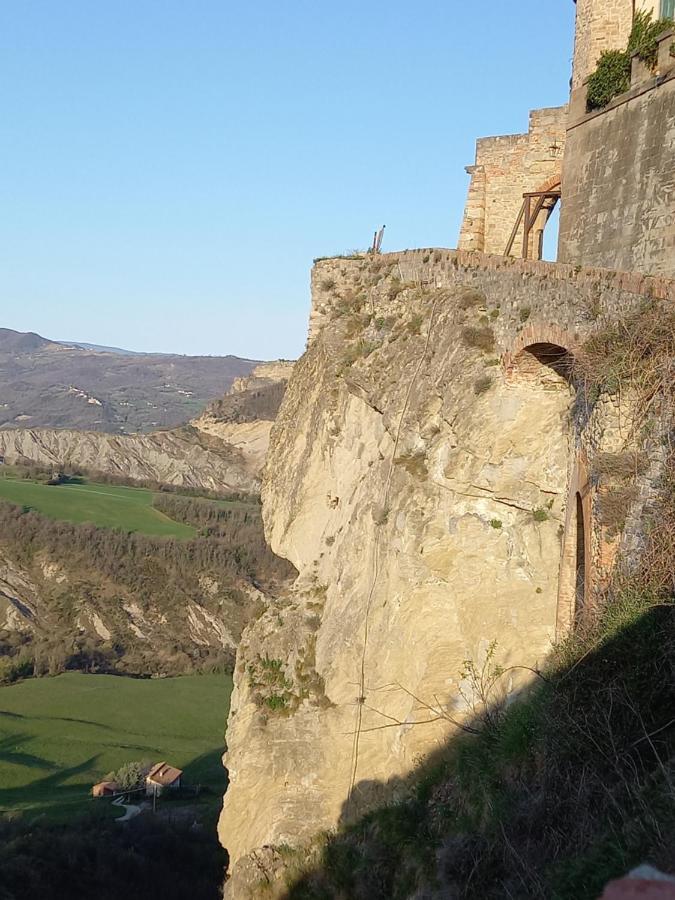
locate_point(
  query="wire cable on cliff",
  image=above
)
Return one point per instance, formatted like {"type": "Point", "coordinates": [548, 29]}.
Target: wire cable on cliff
{"type": "Point", "coordinates": [376, 561]}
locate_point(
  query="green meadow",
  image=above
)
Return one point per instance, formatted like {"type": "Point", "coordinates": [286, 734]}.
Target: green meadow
{"type": "Point", "coordinates": [58, 736]}
{"type": "Point", "coordinates": [105, 505]}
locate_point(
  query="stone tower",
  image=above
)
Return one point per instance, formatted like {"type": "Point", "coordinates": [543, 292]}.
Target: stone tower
{"type": "Point", "coordinates": [605, 25]}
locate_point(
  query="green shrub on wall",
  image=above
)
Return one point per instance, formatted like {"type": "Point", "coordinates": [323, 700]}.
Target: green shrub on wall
{"type": "Point", "coordinates": [612, 76]}
{"type": "Point", "coordinates": [643, 38]}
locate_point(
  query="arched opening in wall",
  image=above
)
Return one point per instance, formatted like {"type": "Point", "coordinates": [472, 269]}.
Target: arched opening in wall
{"type": "Point", "coordinates": [546, 365]}
{"type": "Point", "coordinates": [530, 228]}
{"type": "Point", "coordinates": [580, 562]}
{"type": "Point", "coordinates": [576, 576]}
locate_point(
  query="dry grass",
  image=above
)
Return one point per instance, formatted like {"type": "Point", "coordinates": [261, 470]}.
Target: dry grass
{"type": "Point", "coordinates": [470, 298]}
{"type": "Point", "coordinates": [636, 353]}
{"type": "Point", "coordinates": [628, 464]}
{"type": "Point", "coordinates": [479, 338]}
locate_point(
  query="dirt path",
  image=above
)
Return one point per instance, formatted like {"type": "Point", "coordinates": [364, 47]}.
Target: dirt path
{"type": "Point", "coordinates": [131, 811]}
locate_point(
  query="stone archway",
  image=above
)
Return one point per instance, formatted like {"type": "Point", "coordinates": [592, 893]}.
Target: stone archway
{"type": "Point", "coordinates": [536, 240]}
{"type": "Point", "coordinates": [576, 568]}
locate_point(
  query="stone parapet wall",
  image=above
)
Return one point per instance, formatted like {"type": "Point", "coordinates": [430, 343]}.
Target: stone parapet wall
{"type": "Point", "coordinates": [442, 268]}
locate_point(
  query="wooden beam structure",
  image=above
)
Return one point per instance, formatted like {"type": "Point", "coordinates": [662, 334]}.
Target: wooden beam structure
{"type": "Point", "coordinates": [529, 215]}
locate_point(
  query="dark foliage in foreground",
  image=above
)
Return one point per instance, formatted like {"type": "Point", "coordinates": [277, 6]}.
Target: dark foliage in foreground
{"type": "Point", "coordinates": [142, 860]}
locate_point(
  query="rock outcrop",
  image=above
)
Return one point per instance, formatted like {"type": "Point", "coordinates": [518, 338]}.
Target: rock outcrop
{"type": "Point", "coordinates": [428, 478]}
{"type": "Point", "coordinates": [243, 417]}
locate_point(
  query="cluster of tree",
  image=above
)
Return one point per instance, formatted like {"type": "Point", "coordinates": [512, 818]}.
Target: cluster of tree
{"type": "Point", "coordinates": [210, 517]}
{"type": "Point", "coordinates": [248, 406]}
{"type": "Point", "coordinates": [130, 776]}
{"type": "Point", "coordinates": [240, 550]}
{"type": "Point", "coordinates": [147, 859]}
{"type": "Point", "coordinates": [63, 651]}
{"type": "Point", "coordinates": [107, 568]}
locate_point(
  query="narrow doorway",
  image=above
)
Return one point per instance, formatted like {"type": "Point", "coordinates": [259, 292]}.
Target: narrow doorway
{"type": "Point", "coordinates": [580, 588]}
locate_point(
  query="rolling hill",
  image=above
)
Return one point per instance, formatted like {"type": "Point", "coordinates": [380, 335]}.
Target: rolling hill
{"type": "Point", "coordinates": [52, 384]}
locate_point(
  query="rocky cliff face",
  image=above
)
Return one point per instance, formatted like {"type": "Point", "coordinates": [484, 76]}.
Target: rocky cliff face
{"type": "Point", "coordinates": [243, 417]}
{"type": "Point", "coordinates": [428, 478]}
{"type": "Point", "coordinates": [223, 449]}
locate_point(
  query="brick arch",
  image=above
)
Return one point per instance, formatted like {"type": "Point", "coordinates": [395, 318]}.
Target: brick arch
{"type": "Point", "coordinates": [551, 183]}
{"type": "Point", "coordinates": [532, 335]}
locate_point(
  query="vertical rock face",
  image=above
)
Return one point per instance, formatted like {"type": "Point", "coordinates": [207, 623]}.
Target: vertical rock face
{"type": "Point", "coordinates": [418, 480]}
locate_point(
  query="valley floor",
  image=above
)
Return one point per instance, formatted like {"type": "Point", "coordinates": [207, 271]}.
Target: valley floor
{"type": "Point", "coordinates": [58, 736]}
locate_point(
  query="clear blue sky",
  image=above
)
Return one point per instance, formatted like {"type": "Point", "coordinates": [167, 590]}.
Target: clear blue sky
{"type": "Point", "coordinates": [170, 168]}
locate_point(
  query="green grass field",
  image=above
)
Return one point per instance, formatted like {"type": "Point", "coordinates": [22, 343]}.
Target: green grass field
{"type": "Point", "coordinates": [109, 506]}
{"type": "Point", "coordinates": [58, 736]}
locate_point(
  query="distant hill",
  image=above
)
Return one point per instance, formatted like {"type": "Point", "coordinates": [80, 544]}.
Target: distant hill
{"type": "Point", "coordinates": [102, 348]}
{"type": "Point", "coordinates": [54, 384]}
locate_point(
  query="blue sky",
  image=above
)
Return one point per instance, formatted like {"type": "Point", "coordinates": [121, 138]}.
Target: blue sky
{"type": "Point", "coordinates": [170, 169]}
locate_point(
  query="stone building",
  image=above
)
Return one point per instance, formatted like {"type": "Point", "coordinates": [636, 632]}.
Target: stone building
{"type": "Point", "coordinates": [506, 167]}
{"type": "Point", "coordinates": [612, 169]}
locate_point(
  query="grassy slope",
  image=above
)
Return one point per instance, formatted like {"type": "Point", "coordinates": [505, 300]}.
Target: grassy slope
{"type": "Point", "coordinates": [60, 735]}
{"type": "Point", "coordinates": [109, 506]}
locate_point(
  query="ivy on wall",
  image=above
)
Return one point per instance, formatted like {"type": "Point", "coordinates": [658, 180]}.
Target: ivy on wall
{"type": "Point", "coordinates": [612, 76]}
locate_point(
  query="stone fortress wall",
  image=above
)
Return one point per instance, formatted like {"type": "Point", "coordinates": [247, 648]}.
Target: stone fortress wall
{"type": "Point", "coordinates": [618, 185]}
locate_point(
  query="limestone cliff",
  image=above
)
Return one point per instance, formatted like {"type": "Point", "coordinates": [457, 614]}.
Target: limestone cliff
{"type": "Point", "coordinates": [428, 477]}
{"type": "Point", "coordinates": [223, 449]}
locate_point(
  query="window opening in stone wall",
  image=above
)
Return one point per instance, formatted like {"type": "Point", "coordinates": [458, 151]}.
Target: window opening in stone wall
{"type": "Point", "coordinates": [580, 566]}
{"type": "Point", "coordinates": [668, 9]}
{"type": "Point", "coordinates": [534, 215]}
